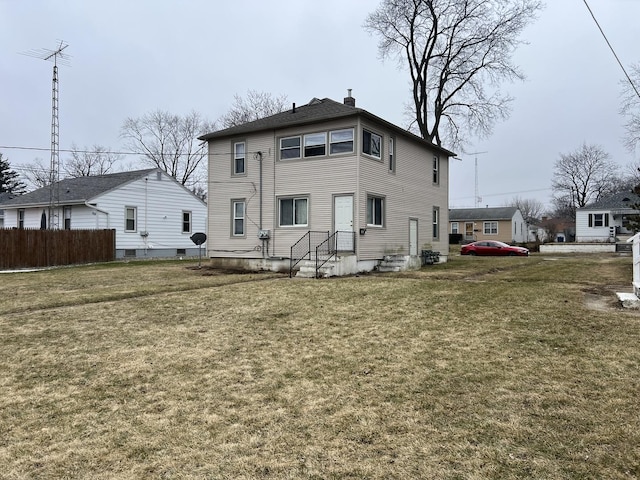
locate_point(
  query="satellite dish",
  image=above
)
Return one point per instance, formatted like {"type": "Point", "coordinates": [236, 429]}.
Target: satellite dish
{"type": "Point", "coordinates": [198, 238]}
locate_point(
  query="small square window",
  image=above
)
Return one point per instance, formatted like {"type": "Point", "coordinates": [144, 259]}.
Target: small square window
{"type": "Point", "coordinates": [371, 144]}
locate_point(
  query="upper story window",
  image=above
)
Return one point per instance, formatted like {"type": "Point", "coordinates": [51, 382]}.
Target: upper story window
{"type": "Point", "coordinates": [289, 148]}
{"type": "Point", "coordinates": [315, 145]}
{"type": "Point", "coordinates": [341, 141]}
{"type": "Point", "coordinates": [392, 154]}
{"type": "Point", "coordinates": [436, 169]}
{"type": "Point", "coordinates": [371, 144]}
{"type": "Point", "coordinates": [130, 219]}
{"type": "Point", "coordinates": [239, 158]}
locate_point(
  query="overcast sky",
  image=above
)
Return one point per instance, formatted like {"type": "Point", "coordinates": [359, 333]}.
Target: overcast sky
{"type": "Point", "coordinates": [131, 57]}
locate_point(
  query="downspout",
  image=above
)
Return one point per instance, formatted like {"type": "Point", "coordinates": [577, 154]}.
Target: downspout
{"type": "Point", "coordinates": [99, 210]}
{"type": "Point", "coordinates": [259, 155]}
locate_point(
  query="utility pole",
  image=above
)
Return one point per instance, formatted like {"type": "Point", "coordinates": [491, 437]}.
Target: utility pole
{"type": "Point", "coordinates": [56, 56]}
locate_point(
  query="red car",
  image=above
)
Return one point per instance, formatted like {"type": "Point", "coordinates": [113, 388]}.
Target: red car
{"type": "Point", "coordinates": [491, 247]}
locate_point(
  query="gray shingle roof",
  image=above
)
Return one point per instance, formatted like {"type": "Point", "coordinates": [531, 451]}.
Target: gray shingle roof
{"type": "Point", "coordinates": [77, 190]}
{"type": "Point", "coordinates": [495, 213]}
{"type": "Point", "coordinates": [317, 110]}
{"type": "Point", "coordinates": [618, 201]}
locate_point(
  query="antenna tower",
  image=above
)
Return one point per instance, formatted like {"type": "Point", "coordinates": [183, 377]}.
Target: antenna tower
{"type": "Point", "coordinates": [477, 198]}
{"type": "Point", "coordinates": [57, 56]}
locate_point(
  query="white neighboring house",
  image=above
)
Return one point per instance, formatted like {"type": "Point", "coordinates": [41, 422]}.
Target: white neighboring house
{"type": "Point", "coordinates": [153, 215]}
{"type": "Point", "coordinates": [606, 219]}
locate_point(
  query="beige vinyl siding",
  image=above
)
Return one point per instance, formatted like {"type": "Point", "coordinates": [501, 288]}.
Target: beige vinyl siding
{"type": "Point", "coordinates": [505, 230]}
{"type": "Point", "coordinates": [410, 193]}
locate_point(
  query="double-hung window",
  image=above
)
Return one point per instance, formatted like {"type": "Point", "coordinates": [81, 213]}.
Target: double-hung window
{"type": "Point", "coordinates": [67, 217]}
{"type": "Point", "coordinates": [392, 154]}
{"type": "Point", "coordinates": [239, 158]}
{"type": "Point", "coordinates": [371, 144]}
{"type": "Point", "coordinates": [21, 218]}
{"type": "Point", "coordinates": [1, 218]}
{"type": "Point", "coordinates": [436, 169]}
{"type": "Point", "coordinates": [289, 148]}
{"type": "Point", "coordinates": [130, 219]}
{"type": "Point", "coordinates": [598, 219]}
{"type": "Point", "coordinates": [341, 141]}
{"type": "Point", "coordinates": [455, 228]}
{"type": "Point", "coordinates": [293, 211]}
{"type": "Point", "coordinates": [375, 211]}
{"type": "Point", "coordinates": [238, 217]}
{"type": "Point", "coordinates": [490, 228]}
{"type": "Point", "coordinates": [436, 223]}
{"type": "Point", "coordinates": [315, 145]}
{"type": "Point", "coordinates": [186, 221]}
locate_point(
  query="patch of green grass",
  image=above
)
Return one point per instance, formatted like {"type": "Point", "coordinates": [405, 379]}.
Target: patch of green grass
{"type": "Point", "coordinates": [480, 368]}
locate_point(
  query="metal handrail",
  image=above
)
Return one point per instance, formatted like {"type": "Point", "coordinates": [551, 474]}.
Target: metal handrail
{"type": "Point", "coordinates": [332, 247]}
{"type": "Point", "coordinates": [302, 249]}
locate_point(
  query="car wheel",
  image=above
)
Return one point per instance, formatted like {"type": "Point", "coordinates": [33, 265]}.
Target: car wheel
{"type": "Point", "coordinates": [512, 254]}
{"type": "Point", "coordinates": [472, 254]}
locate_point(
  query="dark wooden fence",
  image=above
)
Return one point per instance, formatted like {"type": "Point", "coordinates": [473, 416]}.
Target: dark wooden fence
{"type": "Point", "coordinates": [26, 248]}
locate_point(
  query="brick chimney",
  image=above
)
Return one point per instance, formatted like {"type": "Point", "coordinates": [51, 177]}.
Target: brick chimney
{"type": "Point", "coordinates": [349, 100]}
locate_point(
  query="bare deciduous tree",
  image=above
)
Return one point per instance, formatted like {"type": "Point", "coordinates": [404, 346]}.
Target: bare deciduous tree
{"type": "Point", "coordinates": [530, 208]}
{"type": "Point", "coordinates": [583, 176]}
{"type": "Point", "coordinates": [169, 142]}
{"type": "Point", "coordinates": [83, 163]}
{"type": "Point", "coordinates": [256, 105]}
{"type": "Point", "coordinates": [38, 174]}
{"type": "Point", "coordinates": [631, 108]}
{"type": "Point", "coordinates": [457, 53]}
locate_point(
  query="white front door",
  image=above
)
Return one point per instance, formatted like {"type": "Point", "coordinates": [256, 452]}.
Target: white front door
{"type": "Point", "coordinates": [343, 221]}
{"type": "Point", "coordinates": [413, 237]}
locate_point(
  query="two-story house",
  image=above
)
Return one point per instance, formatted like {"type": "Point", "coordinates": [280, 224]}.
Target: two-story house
{"type": "Point", "coordinates": [324, 173]}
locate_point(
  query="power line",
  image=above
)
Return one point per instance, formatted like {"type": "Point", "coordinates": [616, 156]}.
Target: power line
{"type": "Point", "coordinates": [612, 50]}
{"type": "Point", "coordinates": [110, 152]}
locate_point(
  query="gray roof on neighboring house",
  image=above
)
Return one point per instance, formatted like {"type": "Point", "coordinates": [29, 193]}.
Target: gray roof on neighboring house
{"type": "Point", "coordinates": [5, 196]}
{"type": "Point", "coordinates": [617, 201]}
{"type": "Point", "coordinates": [317, 110]}
{"type": "Point", "coordinates": [494, 213]}
{"type": "Point", "coordinates": [77, 190]}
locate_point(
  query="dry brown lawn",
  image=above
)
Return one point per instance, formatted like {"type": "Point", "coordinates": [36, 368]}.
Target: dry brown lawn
{"type": "Point", "coordinates": [477, 369]}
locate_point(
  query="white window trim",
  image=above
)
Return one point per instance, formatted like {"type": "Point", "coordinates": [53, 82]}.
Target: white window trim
{"type": "Point", "coordinates": [236, 157]}
{"type": "Point", "coordinates": [190, 221]}
{"type": "Point", "coordinates": [293, 199]}
{"type": "Point", "coordinates": [135, 218]}
{"type": "Point", "coordinates": [372, 133]}
{"type": "Point", "coordinates": [436, 170]}
{"type": "Point", "coordinates": [341, 130]}
{"type": "Point", "coordinates": [484, 228]}
{"type": "Point", "coordinates": [299, 147]}
{"type": "Point", "coordinates": [457, 228]}
{"type": "Point", "coordinates": [235, 202]}
{"type": "Point", "coordinates": [383, 207]}
{"type": "Point", "coordinates": [436, 223]}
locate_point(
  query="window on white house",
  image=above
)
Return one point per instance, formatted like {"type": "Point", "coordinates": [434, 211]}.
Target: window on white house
{"type": "Point", "coordinates": [598, 219]}
{"type": "Point", "coordinates": [341, 141]}
{"type": "Point", "coordinates": [375, 211]}
{"type": "Point", "coordinates": [371, 144]}
{"type": "Point", "coordinates": [315, 145]}
{"type": "Point", "coordinates": [130, 219]}
{"type": "Point", "coordinates": [186, 221]}
{"type": "Point", "coordinates": [67, 217]}
{"type": "Point", "coordinates": [436, 223]}
{"type": "Point", "coordinates": [238, 216]}
{"type": "Point", "coordinates": [1, 218]}
{"type": "Point", "coordinates": [21, 218]}
{"type": "Point", "coordinates": [294, 212]}
{"type": "Point", "coordinates": [490, 228]}
{"type": "Point", "coordinates": [455, 227]}
{"type": "Point", "coordinates": [289, 148]}
{"type": "Point", "coordinates": [436, 169]}
{"type": "Point", "coordinates": [239, 158]}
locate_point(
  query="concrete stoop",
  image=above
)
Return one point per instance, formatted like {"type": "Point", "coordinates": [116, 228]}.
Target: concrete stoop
{"type": "Point", "coordinates": [629, 300]}
{"type": "Point", "coordinates": [393, 263]}
{"type": "Point", "coordinates": [308, 269]}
